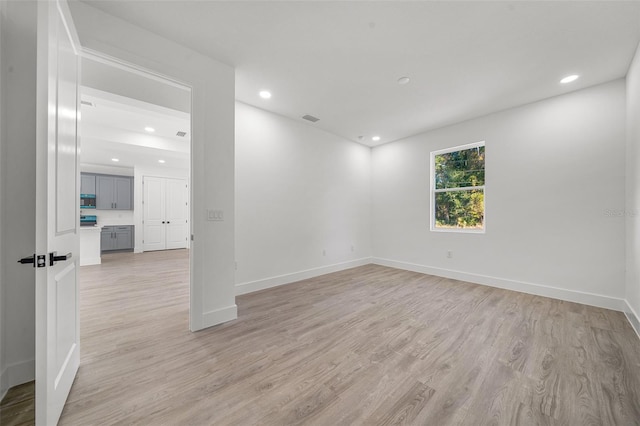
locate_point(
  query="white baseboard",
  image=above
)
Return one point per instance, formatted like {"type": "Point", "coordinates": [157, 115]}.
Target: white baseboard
{"type": "Point", "coordinates": [633, 317]}
{"type": "Point", "coordinates": [17, 374]}
{"type": "Point", "coordinates": [4, 383]}
{"type": "Point", "coordinates": [251, 286]}
{"type": "Point", "coordinates": [219, 316]}
{"type": "Point", "coordinates": [585, 298]}
{"type": "Point", "coordinates": [87, 261]}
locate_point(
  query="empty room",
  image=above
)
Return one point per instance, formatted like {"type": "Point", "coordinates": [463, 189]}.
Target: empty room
{"type": "Point", "coordinates": [420, 213]}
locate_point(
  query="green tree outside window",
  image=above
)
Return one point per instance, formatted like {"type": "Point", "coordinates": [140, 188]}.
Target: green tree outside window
{"type": "Point", "coordinates": [458, 188]}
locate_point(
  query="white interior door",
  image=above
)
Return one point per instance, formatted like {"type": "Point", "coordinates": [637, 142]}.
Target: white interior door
{"type": "Point", "coordinates": [176, 213]}
{"type": "Point", "coordinates": [154, 227]}
{"type": "Point", "coordinates": [57, 217]}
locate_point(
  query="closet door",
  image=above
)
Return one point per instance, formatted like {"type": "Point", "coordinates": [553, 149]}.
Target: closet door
{"type": "Point", "coordinates": [176, 213]}
{"type": "Point", "coordinates": [154, 226]}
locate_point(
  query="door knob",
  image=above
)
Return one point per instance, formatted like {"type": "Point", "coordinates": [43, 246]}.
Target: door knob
{"type": "Point", "coordinates": [53, 257]}
{"type": "Point", "coordinates": [30, 259]}
{"type": "Point", "coordinates": [36, 260]}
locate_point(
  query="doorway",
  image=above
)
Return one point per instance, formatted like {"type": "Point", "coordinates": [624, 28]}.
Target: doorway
{"type": "Point", "coordinates": [135, 131]}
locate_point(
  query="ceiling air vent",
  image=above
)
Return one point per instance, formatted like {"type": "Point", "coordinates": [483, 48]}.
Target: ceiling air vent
{"type": "Point", "coordinates": [87, 103]}
{"type": "Point", "coordinates": [181, 134]}
{"type": "Point", "coordinates": [310, 118]}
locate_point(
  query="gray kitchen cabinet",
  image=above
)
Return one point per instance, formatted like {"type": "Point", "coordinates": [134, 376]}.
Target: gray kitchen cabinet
{"type": "Point", "coordinates": [107, 242]}
{"type": "Point", "coordinates": [114, 238]}
{"type": "Point", "coordinates": [114, 192]}
{"type": "Point", "coordinates": [87, 183]}
{"type": "Point", "coordinates": [104, 192]}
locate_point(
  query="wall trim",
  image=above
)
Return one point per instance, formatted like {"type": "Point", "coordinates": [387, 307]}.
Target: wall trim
{"type": "Point", "coordinates": [592, 299]}
{"type": "Point", "coordinates": [219, 316]}
{"type": "Point", "coordinates": [88, 261]}
{"type": "Point", "coordinates": [633, 317]}
{"type": "Point", "coordinates": [4, 384]}
{"type": "Point", "coordinates": [251, 286]}
{"type": "Point", "coordinates": [17, 374]}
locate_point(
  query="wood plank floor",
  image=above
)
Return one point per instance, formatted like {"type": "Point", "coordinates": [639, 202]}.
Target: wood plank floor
{"type": "Point", "coordinates": [18, 406]}
{"type": "Point", "coordinates": [366, 346]}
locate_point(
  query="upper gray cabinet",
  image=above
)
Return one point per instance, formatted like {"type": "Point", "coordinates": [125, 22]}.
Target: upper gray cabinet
{"type": "Point", "coordinates": [114, 192]}
{"type": "Point", "coordinates": [87, 184]}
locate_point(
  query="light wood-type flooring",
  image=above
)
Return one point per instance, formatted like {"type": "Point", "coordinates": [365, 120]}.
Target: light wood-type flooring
{"type": "Point", "coordinates": [18, 406]}
{"type": "Point", "coordinates": [367, 346]}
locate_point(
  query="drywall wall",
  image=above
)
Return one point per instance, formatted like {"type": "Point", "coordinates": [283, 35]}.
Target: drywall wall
{"type": "Point", "coordinates": [3, 385]}
{"type": "Point", "coordinates": [125, 83]}
{"type": "Point", "coordinates": [212, 169]}
{"type": "Point", "coordinates": [554, 193]}
{"type": "Point", "coordinates": [302, 200]}
{"type": "Point", "coordinates": [632, 208]}
{"type": "Point", "coordinates": [18, 190]}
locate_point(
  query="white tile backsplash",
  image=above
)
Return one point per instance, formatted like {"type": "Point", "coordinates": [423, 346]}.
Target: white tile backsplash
{"type": "Point", "coordinates": [113, 217]}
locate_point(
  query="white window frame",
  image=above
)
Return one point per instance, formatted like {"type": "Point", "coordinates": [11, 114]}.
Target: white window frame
{"type": "Point", "coordinates": [466, 188]}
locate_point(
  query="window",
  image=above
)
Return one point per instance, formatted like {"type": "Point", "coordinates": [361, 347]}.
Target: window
{"type": "Point", "coordinates": [457, 188]}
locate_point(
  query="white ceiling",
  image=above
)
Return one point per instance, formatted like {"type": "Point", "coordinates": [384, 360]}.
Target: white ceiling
{"type": "Point", "coordinates": [114, 127]}
{"type": "Point", "coordinates": [340, 61]}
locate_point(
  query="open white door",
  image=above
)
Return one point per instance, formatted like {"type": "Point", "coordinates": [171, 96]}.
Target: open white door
{"type": "Point", "coordinates": [57, 206]}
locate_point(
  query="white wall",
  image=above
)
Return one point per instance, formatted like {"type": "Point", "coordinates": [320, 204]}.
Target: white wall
{"type": "Point", "coordinates": [3, 385]}
{"type": "Point", "coordinates": [125, 83]}
{"type": "Point", "coordinates": [632, 209]}
{"type": "Point", "coordinates": [299, 192]}
{"type": "Point", "coordinates": [213, 89]}
{"type": "Point", "coordinates": [138, 196]}
{"type": "Point", "coordinates": [18, 191]}
{"type": "Point", "coordinates": [554, 186]}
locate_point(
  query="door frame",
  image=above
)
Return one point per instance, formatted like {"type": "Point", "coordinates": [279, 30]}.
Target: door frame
{"type": "Point", "coordinates": [195, 308]}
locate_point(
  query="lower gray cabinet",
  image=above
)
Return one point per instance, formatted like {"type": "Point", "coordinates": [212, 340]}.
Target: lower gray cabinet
{"type": "Point", "coordinates": [117, 238]}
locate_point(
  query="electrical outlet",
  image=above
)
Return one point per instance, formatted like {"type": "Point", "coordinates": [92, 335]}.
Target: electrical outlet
{"type": "Point", "coordinates": [353, 248]}
{"type": "Point", "coordinates": [449, 254]}
{"type": "Point", "coordinates": [324, 252]}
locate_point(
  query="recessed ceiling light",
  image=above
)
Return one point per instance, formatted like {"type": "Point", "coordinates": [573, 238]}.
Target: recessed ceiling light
{"type": "Point", "coordinates": [149, 129]}
{"type": "Point", "coordinates": [161, 161]}
{"type": "Point", "coordinates": [264, 94]}
{"type": "Point", "coordinates": [403, 80]}
{"type": "Point", "coordinates": [375, 138]}
{"type": "Point", "coordinates": [569, 78]}
{"type": "Point", "coordinates": [115, 160]}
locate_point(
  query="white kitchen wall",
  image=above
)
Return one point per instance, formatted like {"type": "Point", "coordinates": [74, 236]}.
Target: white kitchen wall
{"type": "Point", "coordinates": [554, 193]}
{"type": "Point", "coordinates": [632, 209]}
{"type": "Point", "coordinates": [302, 200]}
{"type": "Point", "coordinates": [18, 189]}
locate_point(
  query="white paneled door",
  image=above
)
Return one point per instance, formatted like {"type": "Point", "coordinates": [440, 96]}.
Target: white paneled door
{"type": "Point", "coordinates": [165, 213]}
{"type": "Point", "coordinates": [57, 221]}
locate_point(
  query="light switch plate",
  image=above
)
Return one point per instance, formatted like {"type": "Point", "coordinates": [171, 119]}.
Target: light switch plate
{"type": "Point", "coordinates": [215, 215]}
